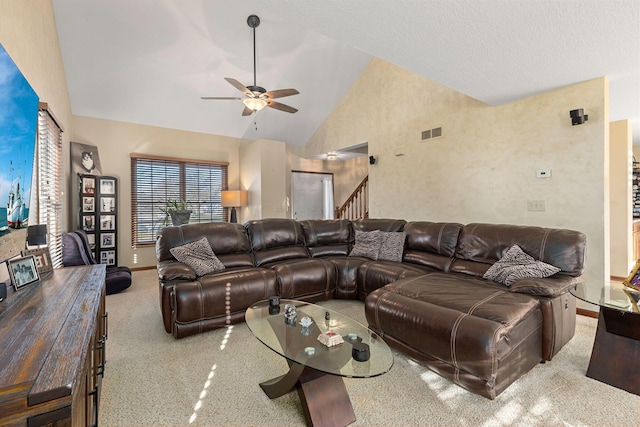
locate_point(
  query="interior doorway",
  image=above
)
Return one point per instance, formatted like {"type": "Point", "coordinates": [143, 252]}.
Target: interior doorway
{"type": "Point", "coordinates": [312, 195]}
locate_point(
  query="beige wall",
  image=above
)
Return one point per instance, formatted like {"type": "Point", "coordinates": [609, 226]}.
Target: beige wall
{"type": "Point", "coordinates": [347, 174]}
{"type": "Point", "coordinates": [263, 174]}
{"type": "Point", "coordinates": [484, 167]}
{"type": "Point", "coordinates": [28, 34]}
{"type": "Point", "coordinates": [620, 189]}
{"type": "Point", "coordinates": [117, 140]}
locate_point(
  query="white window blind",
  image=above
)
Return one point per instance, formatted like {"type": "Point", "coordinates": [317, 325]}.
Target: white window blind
{"type": "Point", "coordinates": [49, 172]}
{"type": "Point", "coordinates": [156, 180]}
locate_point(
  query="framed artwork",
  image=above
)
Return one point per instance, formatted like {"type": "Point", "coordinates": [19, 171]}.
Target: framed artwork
{"type": "Point", "coordinates": [85, 159]}
{"type": "Point", "coordinates": [108, 240]}
{"type": "Point", "coordinates": [18, 132]}
{"type": "Point", "coordinates": [107, 222]}
{"type": "Point", "coordinates": [633, 279]}
{"type": "Point", "coordinates": [107, 204]}
{"type": "Point", "coordinates": [92, 239]}
{"type": "Point", "coordinates": [108, 257]}
{"type": "Point", "coordinates": [23, 271]}
{"type": "Point", "coordinates": [107, 186]}
{"type": "Point", "coordinates": [42, 257]}
{"type": "Point", "coordinates": [88, 185]}
{"type": "Point", "coordinates": [88, 223]}
{"type": "Point", "coordinates": [88, 204]}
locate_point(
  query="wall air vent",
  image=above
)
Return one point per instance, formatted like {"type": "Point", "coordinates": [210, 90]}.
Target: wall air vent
{"type": "Point", "coordinates": [432, 133]}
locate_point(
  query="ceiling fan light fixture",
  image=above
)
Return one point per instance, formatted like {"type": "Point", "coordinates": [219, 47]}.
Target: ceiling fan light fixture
{"type": "Point", "coordinates": [255, 104]}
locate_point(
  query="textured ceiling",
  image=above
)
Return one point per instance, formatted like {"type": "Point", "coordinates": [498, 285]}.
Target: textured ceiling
{"type": "Point", "coordinates": [150, 61]}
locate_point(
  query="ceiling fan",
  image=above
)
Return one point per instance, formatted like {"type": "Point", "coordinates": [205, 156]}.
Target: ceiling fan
{"type": "Point", "coordinates": [256, 97]}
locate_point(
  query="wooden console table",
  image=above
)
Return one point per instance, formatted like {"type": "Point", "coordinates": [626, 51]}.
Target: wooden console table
{"type": "Point", "coordinates": [52, 350]}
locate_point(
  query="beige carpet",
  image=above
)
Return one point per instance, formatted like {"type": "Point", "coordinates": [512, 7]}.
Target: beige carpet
{"type": "Point", "coordinates": [212, 379]}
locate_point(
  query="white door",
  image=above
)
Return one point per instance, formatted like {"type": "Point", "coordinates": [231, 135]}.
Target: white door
{"type": "Point", "coordinates": [312, 195]}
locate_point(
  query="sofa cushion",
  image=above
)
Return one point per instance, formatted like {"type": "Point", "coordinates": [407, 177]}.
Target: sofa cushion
{"type": "Point", "coordinates": [327, 237]}
{"type": "Point", "coordinates": [218, 300]}
{"type": "Point", "coordinates": [375, 274]}
{"type": "Point", "coordinates": [392, 246]}
{"type": "Point", "coordinates": [515, 264]}
{"type": "Point", "coordinates": [480, 245]}
{"type": "Point", "coordinates": [275, 240]}
{"type": "Point", "coordinates": [472, 331]}
{"type": "Point", "coordinates": [382, 224]}
{"type": "Point", "coordinates": [228, 241]}
{"type": "Point", "coordinates": [367, 244]}
{"type": "Point", "coordinates": [306, 279]}
{"type": "Point", "coordinates": [199, 256]}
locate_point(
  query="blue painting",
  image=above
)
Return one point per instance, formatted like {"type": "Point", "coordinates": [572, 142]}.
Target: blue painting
{"type": "Point", "coordinates": [18, 127]}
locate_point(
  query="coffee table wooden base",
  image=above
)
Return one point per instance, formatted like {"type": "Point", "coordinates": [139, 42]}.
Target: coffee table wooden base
{"type": "Point", "coordinates": [324, 397]}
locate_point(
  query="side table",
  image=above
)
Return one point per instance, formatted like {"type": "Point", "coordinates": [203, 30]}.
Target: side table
{"type": "Point", "coordinates": [616, 349]}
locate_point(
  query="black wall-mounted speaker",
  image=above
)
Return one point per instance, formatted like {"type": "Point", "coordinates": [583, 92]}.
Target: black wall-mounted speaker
{"type": "Point", "coordinates": [372, 160]}
{"type": "Point", "coordinates": [578, 116]}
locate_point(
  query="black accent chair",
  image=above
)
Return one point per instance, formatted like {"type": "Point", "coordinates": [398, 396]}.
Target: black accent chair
{"type": "Point", "coordinates": [76, 250]}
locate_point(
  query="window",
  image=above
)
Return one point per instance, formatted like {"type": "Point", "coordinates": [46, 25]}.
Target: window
{"type": "Point", "coordinates": [157, 180]}
{"type": "Point", "coordinates": [49, 180]}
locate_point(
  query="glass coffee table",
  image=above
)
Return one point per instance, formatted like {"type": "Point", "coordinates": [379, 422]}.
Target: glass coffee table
{"type": "Point", "coordinates": [616, 349]}
{"type": "Point", "coordinates": [316, 370]}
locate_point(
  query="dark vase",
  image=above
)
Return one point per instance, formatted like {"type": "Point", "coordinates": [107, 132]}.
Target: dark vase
{"type": "Point", "coordinates": [180, 217]}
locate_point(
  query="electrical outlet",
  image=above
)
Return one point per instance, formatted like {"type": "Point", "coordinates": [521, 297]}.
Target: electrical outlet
{"type": "Point", "coordinates": [536, 205]}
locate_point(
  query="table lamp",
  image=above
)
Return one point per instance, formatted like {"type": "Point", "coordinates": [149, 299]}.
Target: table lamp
{"type": "Point", "coordinates": [233, 199]}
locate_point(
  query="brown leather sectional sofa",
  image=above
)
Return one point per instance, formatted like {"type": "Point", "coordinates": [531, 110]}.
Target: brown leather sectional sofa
{"type": "Point", "coordinates": [434, 305]}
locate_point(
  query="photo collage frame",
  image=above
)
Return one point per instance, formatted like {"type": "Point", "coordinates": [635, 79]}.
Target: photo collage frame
{"type": "Point", "coordinates": [98, 215]}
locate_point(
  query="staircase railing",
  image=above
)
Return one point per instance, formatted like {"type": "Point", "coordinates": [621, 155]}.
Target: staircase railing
{"type": "Point", "coordinates": [357, 204]}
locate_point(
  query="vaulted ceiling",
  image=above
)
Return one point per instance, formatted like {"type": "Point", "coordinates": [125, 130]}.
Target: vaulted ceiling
{"type": "Point", "coordinates": [150, 61]}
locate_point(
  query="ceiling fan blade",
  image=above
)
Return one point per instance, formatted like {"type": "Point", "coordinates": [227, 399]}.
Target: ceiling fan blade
{"type": "Point", "coordinates": [242, 88]}
{"type": "Point", "coordinates": [281, 107]}
{"type": "Point", "coordinates": [281, 93]}
{"type": "Point", "coordinates": [247, 111]}
{"type": "Point", "coordinates": [218, 97]}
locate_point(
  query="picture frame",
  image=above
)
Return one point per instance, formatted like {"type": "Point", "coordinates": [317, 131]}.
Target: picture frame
{"type": "Point", "coordinates": [85, 159]}
{"type": "Point", "coordinates": [107, 222]}
{"type": "Point", "coordinates": [23, 271]}
{"type": "Point", "coordinates": [88, 185]}
{"type": "Point", "coordinates": [107, 186]}
{"type": "Point", "coordinates": [108, 240]}
{"type": "Point", "coordinates": [107, 204]}
{"type": "Point", "coordinates": [88, 204]}
{"type": "Point", "coordinates": [108, 257]}
{"type": "Point", "coordinates": [42, 258]}
{"type": "Point", "coordinates": [88, 223]}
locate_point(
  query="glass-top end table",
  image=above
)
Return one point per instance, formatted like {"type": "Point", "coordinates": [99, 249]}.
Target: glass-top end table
{"type": "Point", "coordinates": [614, 358]}
{"type": "Point", "coordinates": [609, 294]}
{"type": "Point", "coordinates": [316, 370]}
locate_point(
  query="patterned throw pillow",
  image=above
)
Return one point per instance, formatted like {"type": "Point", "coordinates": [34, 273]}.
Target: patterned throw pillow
{"type": "Point", "coordinates": [367, 244]}
{"type": "Point", "coordinates": [392, 246]}
{"type": "Point", "coordinates": [199, 256]}
{"type": "Point", "coordinates": [515, 264]}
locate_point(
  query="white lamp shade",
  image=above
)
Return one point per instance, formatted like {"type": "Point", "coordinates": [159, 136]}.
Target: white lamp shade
{"type": "Point", "coordinates": [234, 198]}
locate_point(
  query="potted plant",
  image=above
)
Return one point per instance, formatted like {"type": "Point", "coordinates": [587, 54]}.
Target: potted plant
{"type": "Point", "coordinates": [177, 211]}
